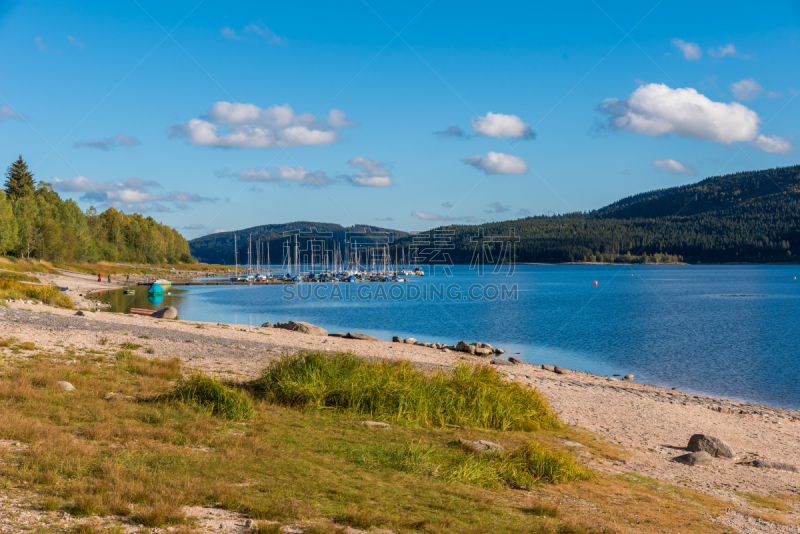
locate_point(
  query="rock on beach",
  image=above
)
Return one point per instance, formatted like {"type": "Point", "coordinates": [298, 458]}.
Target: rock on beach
{"type": "Point", "coordinates": [304, 328]}
{"type": "Point", "coordinates": [700, 458]}
{"type": "Point", "coordinates": [713, 446]}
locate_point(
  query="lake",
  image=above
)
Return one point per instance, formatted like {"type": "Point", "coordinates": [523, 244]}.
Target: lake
{"type": "Point", "coordinates": [729, 331]}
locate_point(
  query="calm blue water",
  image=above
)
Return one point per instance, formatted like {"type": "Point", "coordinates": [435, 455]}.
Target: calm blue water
{"type": "Point", "coordinates": [674, 326]}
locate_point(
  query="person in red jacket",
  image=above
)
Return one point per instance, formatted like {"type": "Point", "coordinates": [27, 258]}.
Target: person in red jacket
{"type": "Point", "coordinates": [99, 277]}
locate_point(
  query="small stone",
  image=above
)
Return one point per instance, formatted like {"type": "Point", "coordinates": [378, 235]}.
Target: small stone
{"type": "Point", "coordinates": [548, 367]}
{"type": "Point", "coordinates": [514, 360]}
{"type": "Point", "coordinates": [375, 424]}
{"type": "Point", "coordinates": [483, 352]}
{"type": "Point", "coordinates": [446, 350]}
{"type": "Point", "coordinates": [695, 458]}
{"type": "Point", "coordinates": [499, 351]}
{"type": "Point", "coordinates": [427, 345]}
{"type": "Point", "coordinates": [502, 362]}
{"type": "Point", "coordinates": [561, 370]}
{"type": "Point", "coordinates": [713, 446]}
{"type": "Point", "coordinates": [628, 377]}
{"type": "Point", "coordinates": [779, 466]}
{"type": "Point", "coordinates": [267, 325]}
{"type": "Point", "coordinates": [248, 523]}
{"type": "Point", "coordinates": [463, 346]}
{"type": "Point", "coordinates": [481, 446]}
{"type": "Point", "coordinates": [398, 339]}
{"type": "Point", "coordinates": [410, 340]}
{"type": "Point", "coordinates": [65, 386]}
{"type": "Point", "coordinates": [81, 313]}
{"type": "Point", "coordinates": [118, 396]}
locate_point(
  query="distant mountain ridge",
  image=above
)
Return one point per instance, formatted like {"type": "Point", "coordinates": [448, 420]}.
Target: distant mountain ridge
{"type": "Point", "coordinates": [742, 217]}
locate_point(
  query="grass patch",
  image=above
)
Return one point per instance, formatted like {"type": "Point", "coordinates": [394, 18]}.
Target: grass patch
{"type": "Point", "coordinates": [168, 369]}
{"type": "Point", "coordinates": [468, 396]}
{"type": "Point", "coordinates": [213, 397]}
{"type": "Point", "coordinates": [130, 346]}
{"type": "Point", "coordinates": [27, 345]}
{"type": "Point", "coordinates": [14, 290]}
{"type": "Point", "coordinates": [526, 465]}
{"type": "Point", "coordinates": [144, 461]}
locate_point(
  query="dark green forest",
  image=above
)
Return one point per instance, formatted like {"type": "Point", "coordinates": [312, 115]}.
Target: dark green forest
{"type": "Point", "coordinates": [36, 223]}
{"type": "Point", "coordinates": [742, 217]}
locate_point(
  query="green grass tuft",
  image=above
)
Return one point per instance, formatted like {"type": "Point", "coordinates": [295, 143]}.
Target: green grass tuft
{"type": "Point", "coordinates": [468, 396]}
{"type": "Point", "coordinates": [214, 397]}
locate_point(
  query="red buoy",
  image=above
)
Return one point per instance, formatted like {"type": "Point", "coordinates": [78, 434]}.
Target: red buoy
{"type": "Point", "coordinates": [595, 282]}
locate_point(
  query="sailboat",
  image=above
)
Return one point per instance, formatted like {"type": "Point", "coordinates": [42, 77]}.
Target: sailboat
{"type": "Point", "coordinates": [236, 277]}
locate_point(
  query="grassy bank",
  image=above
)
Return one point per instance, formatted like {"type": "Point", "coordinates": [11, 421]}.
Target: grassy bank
{"type": "Point", "coordinates": [279, 451]}
{"type": "Point", "coordinates": [13, 287]}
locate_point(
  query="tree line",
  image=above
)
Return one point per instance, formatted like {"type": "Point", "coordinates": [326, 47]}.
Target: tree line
{"type": "Point", "coordinates": [35, 222]}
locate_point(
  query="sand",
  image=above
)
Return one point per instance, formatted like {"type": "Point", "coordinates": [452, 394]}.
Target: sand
{"type": "Point", "coordinates": [654, 424]}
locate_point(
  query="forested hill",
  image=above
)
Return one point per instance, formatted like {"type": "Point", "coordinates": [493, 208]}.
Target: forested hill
{"type": "Point", "coordinates": [716, 193]}
{"type": "Point", "coordinates": [35, 222]}
{"type": "Point", "coordinates": [219, 248]}
{"type": "Point", "coordinates": [742, 217]}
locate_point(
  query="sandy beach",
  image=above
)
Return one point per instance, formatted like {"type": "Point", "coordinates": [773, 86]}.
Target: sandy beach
{"type": "Point", "coordinates": [653, 424]}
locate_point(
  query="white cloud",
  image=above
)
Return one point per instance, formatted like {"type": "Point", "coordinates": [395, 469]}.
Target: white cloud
{"type": "Point", "coordinates": [773, 144]}
{"type": "Point", "coordinates": [452, 131]}
{"type": "Point", "coordinates": [656, 109]}
{"type": "Point", "coordinates": [499, 125]}
{"type": "Point", "coordinates": [258, 29]}
{"type": "Point", "coordinates": [428, 216]}
{"type": "Point", "coordinates": [130, 193]}
{"type": "Point", "coordinates": [691, 52]}
{"type": "Point", "coordinates": [284, 174]}
{"type": "Point", "coordinates": [79, 45]}
{"type": "Point", "coordinates": [218, 231]}
{"type": "Point", "coordinates": [723, 51]}
{"type": "Point", "coordinates": [108, 143]}
{"type": "Point", "coordinates": [385, 219]}
{"type": "Point", "coordinates": [227, 32]}
{"type": "Point", "coordinates": [497, 207]}
{"type": "Point", "coordinates": [447, 205]}
{"type": "Point", "coordinates": [373, 173]}
{"type": "Point", "coordinates": [248, 126]}
{"type": "Point", "coordinates": [774, 94]}
{"type": "Point", "coordinates": [748, 89]}
{"type": "Point", "coordinates": [43, 47]}
{"type": "Point", "coordinates": [524, 213]}
{"type": "Point", "coordinates": [8, 113]}
{"type": "Point", "coordinates": [497, 163]}
{"type": "Point", "coordinates": [672, 166]}
{"type": "Point", "coordinates": [261, 29]}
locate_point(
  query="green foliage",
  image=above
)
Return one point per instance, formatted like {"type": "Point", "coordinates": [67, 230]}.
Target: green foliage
{"type": "Point", "coordinates": [36, 222]}
{"type": "Point", "coordinates": [523, 467]}
{"type": "Point", "coordinates": [13, 290]}
{"type": "Point", "coordinates": [473, 396]}
{"type": "Point", "coordinates": [210, 395]}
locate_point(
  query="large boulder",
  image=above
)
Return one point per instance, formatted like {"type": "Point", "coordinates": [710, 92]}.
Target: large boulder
{"type": "Point", "coordinates": [561, 370]}
{"type": "Point", "coordinates": [514, 360]}
{"type": "Point", "coordinates": [398, 339]}
{"type": "Point", "coordinates": [480, 446]}
{"type": "Point", "coordinates": [267, 325]}
{"type": "Point", "coordinates": [547, 367]}
{"type": "Point", "coordinates": [337, 334]}
{"type": "Point", "coordinates": [463, 346]}
{"type": "Point", "coordinates": [166, 313]}
{"type": "Point", "coordinates": [410, 340]}
{"type": "Point", "coordinates": [362, 337]}
{"type": "Point", "coordinates": [303, 328]}
{"type": "Point", "coordinates": [502, 362]}
{"type": "Point", "coordinates": [483, 352]}
{"type": "Point", "coordinates": [499, 351]}
{"type": "Point", "coordinates": [713, 446]}
{"type": "Point", "coordinates": [695, 458]}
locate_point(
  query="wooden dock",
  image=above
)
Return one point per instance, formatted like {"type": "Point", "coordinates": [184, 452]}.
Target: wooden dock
{"type": "Point", "coordinates": [220, 283]}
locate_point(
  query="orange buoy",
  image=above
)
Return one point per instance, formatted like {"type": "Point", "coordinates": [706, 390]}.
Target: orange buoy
{"type": "Point", "coordinates": [595, 282]}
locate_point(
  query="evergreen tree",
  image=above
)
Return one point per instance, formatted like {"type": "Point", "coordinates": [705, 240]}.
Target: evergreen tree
{"type": "Point", "coordinates": [19, 180]}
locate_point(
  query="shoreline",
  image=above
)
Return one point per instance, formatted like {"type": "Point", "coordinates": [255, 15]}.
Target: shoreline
{"type": "Point", "coordinates": [652, 423]}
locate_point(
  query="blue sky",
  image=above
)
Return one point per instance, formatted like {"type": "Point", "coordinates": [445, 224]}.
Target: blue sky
{"type": "Point", "coordinates": [211, 116]}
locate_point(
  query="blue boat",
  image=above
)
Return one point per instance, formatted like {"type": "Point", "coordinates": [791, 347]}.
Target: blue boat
{"type": "Point", "coordinates": [155, 289]}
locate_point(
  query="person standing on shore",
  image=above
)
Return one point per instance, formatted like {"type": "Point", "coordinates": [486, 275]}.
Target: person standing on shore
{"type": "Point", "coordinates": [99, 277]}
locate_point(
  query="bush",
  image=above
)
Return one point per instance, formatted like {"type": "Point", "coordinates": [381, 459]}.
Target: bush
{"type": "Point", "coordinates": [473, 396]}
{"type": "Point", "coordinates": [210, 395]}
{"type": "Point", "coordinates": [13, 290]}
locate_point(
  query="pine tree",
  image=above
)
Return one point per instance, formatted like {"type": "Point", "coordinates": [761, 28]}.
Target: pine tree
{"type": "Point", "coordinates": [19, 180]}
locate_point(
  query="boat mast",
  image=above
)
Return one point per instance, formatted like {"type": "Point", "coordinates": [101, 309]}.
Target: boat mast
{"type": "Point", "coordinates": [236, 254]}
